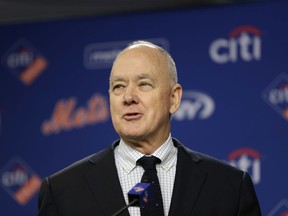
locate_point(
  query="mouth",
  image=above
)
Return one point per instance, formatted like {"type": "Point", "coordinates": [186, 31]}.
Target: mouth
{"type": "Point", "coordinates": [132, 116]}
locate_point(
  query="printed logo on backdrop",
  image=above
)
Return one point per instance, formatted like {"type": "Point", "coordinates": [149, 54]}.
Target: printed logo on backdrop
{"type": "Point", "coordinates": [25, 62]}
{"type": "Point", "coordinates": [195, 105]}
{"type": "Point", "coordinates": [19, 181]}
{"type": "Point", "coordinates": [102, 55]}
{"type": "Point", "coordinates": [248, 160]}
{"type": "Point", "coordinates": [281, 209]}
{"type": "Point", "coordinates": [241, 44]}
{"type": "Point", "coordinates": [67, 115]}
{"type": "Point", "coordinates": [276, 95]}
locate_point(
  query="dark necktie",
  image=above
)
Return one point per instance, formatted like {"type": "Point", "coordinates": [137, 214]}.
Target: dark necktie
{"type": "Point", "coordinates": [155, 205]}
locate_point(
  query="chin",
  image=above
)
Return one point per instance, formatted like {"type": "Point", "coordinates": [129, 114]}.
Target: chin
{"type": "Point", "coordinates": [131, 136]}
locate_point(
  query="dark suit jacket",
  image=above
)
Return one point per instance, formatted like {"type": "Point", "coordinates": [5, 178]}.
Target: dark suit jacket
{"type": "Point", "coordinates": [203, 187]}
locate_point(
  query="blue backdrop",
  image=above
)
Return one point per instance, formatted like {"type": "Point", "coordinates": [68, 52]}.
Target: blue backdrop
{"type": "Point", "coordinates": [232, 63]}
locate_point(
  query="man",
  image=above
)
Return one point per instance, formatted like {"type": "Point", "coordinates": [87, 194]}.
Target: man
{"type": "Point", "coordinates": [144, 93]}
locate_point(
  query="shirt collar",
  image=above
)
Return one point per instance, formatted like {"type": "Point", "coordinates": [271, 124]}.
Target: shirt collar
{"type": "Point", "coordinates": [128, 156]}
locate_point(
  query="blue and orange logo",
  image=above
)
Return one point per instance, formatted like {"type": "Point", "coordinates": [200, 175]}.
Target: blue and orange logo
{"type": "Point", "coordinates": [276, 95]}
{"type": "Point", "coordinates": [25, 62]}
{"type": "Point", "coordinates": [19, 181]}
{"type": "Point", "coordinates": [138, 189]}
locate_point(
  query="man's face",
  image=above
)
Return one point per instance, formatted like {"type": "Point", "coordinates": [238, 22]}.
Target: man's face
{"type": "Point", "coordinates": [140, 96]}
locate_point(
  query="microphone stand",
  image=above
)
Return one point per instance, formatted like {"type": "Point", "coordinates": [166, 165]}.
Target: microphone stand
{"type": "Point", "coordinates": [125, 207]}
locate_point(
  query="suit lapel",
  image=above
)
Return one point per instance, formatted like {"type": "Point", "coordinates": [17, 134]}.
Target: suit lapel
{"type": "Point", "coordinates": [104, 182]}
{"type": "Point", "coordinates": [189, 180]}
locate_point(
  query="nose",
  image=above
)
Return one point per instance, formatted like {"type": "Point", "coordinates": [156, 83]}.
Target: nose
{"type": "Point", "coordinates": [130, 96]}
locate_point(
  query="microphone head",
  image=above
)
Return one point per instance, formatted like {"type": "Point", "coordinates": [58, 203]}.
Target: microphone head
{"type": "Point", "coordinates": [142, 193]}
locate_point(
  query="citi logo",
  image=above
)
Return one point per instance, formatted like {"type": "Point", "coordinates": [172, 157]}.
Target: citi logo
{"type": "Point", "coordinates": [25, 62]}
{"type": "Point", "coordinates": [247, 160]}
{"type": "Point", "coordinates": [195, 105]}
{"type": "Point", "coordinates": [243, 43]}
{"type": "Point", "coordinates": [276, 95]}
{"type": "Point", "coordinates": [19, 181]}
{"type": "Point", "coordinates": [22, 58]}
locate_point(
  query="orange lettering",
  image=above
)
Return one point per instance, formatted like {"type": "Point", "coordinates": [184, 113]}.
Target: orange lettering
{"type": "Point", "coordinates": [65, 117]}
{"type": "Point", "coordinates": [60, 118]}
{"type": "Point", "coordinates": [80, 118]}
{"type": "Point", "coordinates": [62, 113]}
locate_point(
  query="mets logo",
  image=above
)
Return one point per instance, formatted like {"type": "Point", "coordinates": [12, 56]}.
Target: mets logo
{"type": "Point", "coordinates": [243, 43]}
{"type": "Point", "coordinates": [138, 189]}
{"type": "Point", "coordinates": [67, 115]}
{"type": "Point", "coordinates": [195, 105]}
{"type": "Point", "coordinates": [276, 95]}
{"type": "Point", "coordinates": [281, 209]}
{"type": "Point", "coordinates": [25, 62]}
{"type": "Point", "coordinates": [19, 181]}
{"type": "Point", "coordinates": [247, 160]}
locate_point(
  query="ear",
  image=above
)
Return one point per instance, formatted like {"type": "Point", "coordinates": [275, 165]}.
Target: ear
{"type": "Point", "coordinates": [176, 95]}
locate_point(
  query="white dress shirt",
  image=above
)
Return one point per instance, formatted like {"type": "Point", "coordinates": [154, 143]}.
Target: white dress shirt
{"type": "Point", "coordinates": [130, 174]}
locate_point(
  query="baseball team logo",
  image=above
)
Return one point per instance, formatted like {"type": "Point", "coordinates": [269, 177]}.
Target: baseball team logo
{"type": "Point", "coordinates": [25, 62]}
{"type": "Point", "coordinates": [67, 115]}
{"type": "Point", "coordinates": [138, 189]}
{"type": "Point", "coordinates": [19, 181]}
{"type": "Point", "coordinates": [248, 160]}
{"type": "Point", "coordinates": [243, 43]}
{"type": "Point", "coordinates": [195, 105]}
{"type": "Point", "coordinates": [276, 95]}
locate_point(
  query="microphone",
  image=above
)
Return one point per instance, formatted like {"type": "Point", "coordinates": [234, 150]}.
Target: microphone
{"type": "Point", "coordinates": [141, 192]}
{"type": "Point", "coordinates": [139, 195]}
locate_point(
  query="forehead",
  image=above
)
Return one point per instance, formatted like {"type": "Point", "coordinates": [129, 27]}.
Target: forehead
{"type": "Point", "coordinates": [120, 78]}
{"type": "Point", "coordinates": [140, 60]}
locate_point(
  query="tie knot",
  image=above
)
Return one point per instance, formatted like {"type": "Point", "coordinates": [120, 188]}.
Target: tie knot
{"type": "Point", "coordinates": [148, 162]}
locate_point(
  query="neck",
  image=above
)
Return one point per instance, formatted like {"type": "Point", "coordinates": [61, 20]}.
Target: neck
{"type": "Point", "coordinates": [145, 146]}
